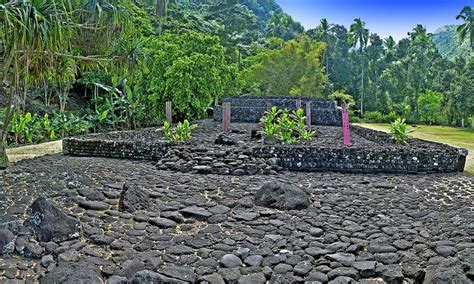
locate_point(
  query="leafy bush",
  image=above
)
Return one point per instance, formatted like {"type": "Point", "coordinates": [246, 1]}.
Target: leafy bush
{"type": "Point", "coordinates": [285, 126]}
{"type": "Point", "coordinates": [342, 98]}
{"type": "Point", "coordinates": [398, 130]}
{"type": "Point", "coordinates": [292, 68]}
{"type": "Point", "coordinates": [190, 69]}
{"type": "Point", "coordinates": [28, 128]}
{"type": "Point", "coordinates": [429, 107]}
{"type": "Point", "coordinates": [270, 125]}
{"type": "Point", "coordinates": [181, 133]}
{"type": "Point", "coordinates": [374, 116]}
{"type": "Point", "coordinates": [377, 116]}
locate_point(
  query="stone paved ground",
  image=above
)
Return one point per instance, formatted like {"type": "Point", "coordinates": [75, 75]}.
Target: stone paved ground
{"type": "Point", "coordinates": [206, 228]}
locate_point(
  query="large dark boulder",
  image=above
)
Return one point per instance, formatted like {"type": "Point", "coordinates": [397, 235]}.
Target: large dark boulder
{"type": "Point", "coordinates": [72, 273]}
{"type": "Point", "coordinates": [7, 241]}
{"type": "Point", "coordinates": [50, 223]}
{"type": "Point", "coordinates": [282, 196]}
{"type": "Point", "coordinates": [450, 270]}
{"type": "Point", "coordinates": [133, 199]}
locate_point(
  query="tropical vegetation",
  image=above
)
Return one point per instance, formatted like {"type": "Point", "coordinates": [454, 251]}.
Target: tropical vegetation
{"type": "Point", "coordinates": [70, 67]}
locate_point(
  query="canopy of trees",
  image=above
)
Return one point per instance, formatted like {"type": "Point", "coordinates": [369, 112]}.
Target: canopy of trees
{"type": "Point", "coordinates": [90, 65]}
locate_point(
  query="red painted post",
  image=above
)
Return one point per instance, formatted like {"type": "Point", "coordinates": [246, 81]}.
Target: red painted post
{"type": "Point", "coordinates": [226, 117]}
{"type": "Point", "coordinates": [308, 114]}
{"type": "Point", "coordinates": [345, 125]}
{"type": "Point", "coordinates": [298, 103]}
{"type": "Point", "coordinates": [169, 112]}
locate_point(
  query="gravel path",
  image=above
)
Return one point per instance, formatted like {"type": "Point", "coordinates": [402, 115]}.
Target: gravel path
{"type": "Point", "coordinates": [207, 228]}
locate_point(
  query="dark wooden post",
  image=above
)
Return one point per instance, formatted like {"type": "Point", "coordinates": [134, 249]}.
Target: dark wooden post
{"type": "Point", "coordinates": [298, 103]}
{"type": "Point", "coordinates": [169, 113]}
{"type": "Point", "coordinates": [308, 114]}
{"type": "Point", "coordinates": [226, 117]}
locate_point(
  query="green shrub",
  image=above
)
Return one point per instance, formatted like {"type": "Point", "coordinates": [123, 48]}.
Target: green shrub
{"type": "Point", "coordinates": [342, 98]}
{"type": "Point", "coordinates": [374, 116]}
{"type": "Point", "coordinates": [378, 117]}
{"type": "Point", "coordinates": [286, 126]}
{"type": "Point", "coordinates": [181, 133]}
{"type": "Point", "coordinates": [398, 130]}
{"type": "Point", "coordinates": [270, 126]}
{"type": "Point", "coordinates": [429, 107]}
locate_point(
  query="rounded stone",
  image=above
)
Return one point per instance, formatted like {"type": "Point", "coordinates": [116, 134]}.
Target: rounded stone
{"type": "Point", "coordinates": [231, 261]}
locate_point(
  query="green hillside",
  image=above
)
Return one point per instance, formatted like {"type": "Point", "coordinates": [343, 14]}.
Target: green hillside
{"type": "Point", "coordinates": [447, 42]}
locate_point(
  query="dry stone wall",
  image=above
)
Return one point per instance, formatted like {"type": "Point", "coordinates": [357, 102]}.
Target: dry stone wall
{"type": "Point", "coordinates": [385, 157]}
{"type": "Point", "coordinates": [251, 109]}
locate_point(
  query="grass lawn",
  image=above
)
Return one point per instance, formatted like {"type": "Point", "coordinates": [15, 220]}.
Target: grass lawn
{"type": "Point", "coordinates": [457, 137]}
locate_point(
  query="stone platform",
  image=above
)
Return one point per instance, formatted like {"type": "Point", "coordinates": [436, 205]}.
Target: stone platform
{"type": "Point", "coordinates": [371, 152]}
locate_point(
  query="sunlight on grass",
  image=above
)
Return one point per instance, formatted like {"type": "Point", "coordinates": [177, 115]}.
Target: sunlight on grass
{"type": "Point", "coordinates": [457, 137]}
{"type": "Point", "coordinates": [32, 151]}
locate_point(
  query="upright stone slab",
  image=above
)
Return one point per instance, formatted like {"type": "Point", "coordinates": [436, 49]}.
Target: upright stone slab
{"type": "Point", "coordinates": [308, 114]}
{"type": "Point", "coordinates": [169, 113]}
{"type": "Point", "coordinates": [298, 103]}
{"type": "Point", "coordinates": [345, 125]}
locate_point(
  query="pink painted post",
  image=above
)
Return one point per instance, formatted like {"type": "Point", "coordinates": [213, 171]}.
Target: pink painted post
{"type": "Point", "coordinates": [345, 125]}
{"type": "Point", "coordinates": [169, 112]}
{"type": "Point", "coordinates": [308, 114]}
{"type": "Point", "coordinates": [226, 117]}
{"type": "Point", "coordinates": [298, 103]}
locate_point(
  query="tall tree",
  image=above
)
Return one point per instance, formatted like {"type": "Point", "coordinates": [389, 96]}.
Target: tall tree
{"type": "Point", "coordinates": [37, 35]}
{"type": "Point", "coordinates": [283, 26]}
{"type": "Point", "coordinates": [28, 30]}
{"type": "Point", "coordinates": [466, 30]}
{"type": "Point", "coordinates": [359, 35]}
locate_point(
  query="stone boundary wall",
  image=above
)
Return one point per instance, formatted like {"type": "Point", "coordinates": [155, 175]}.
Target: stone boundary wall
{"type": "Point", "coordinates": [356, 160]}
{"type": "Point", "coordinates": [114, 149]}
{"type": "Point", "coordinates": [421, 157]}
{"type": "Point", "coordinates": [251, 109]}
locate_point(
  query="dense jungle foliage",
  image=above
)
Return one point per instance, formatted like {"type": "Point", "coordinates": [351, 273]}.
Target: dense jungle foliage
{"type": "Point", "coordinates": [77, 66]}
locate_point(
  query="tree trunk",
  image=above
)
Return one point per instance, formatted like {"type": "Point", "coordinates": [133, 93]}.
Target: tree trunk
{"type": "Point", "coordinates": [472, 121]}
{"type": "Point", "coordinates": [3, 157]}
{"type": "Point", "coordinates": [4, 131]}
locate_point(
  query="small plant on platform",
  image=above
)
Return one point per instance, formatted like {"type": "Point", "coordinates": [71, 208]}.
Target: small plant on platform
{"type": "Point", "coordinates": [286, 126]}
{"type": "Point", "coordinates": [181, 133]}
{"type": "Point", "coordinates": [303, 131]}
{"type": "Point", "coordinates": [399, 132]}
{"type": "Point", "coordinates": [271, 127]}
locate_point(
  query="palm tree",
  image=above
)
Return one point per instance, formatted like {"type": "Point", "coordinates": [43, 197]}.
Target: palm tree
{"type": "Point", "coordinates": [324, 29]}
{"type": "Point", "coordinates": [30, 28]}
{"type": "Point", "coordinates": [359, 35]}
{"type": "Point", "coordinates": [34, 34]}
{"type": "Point", "coordinates": [389, 44]}
{"type": "Point", "coordinates": [466, 30]}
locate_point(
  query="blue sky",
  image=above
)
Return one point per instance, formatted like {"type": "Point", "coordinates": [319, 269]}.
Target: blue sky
{"type": "Point", "coordinates": [385, 18]}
